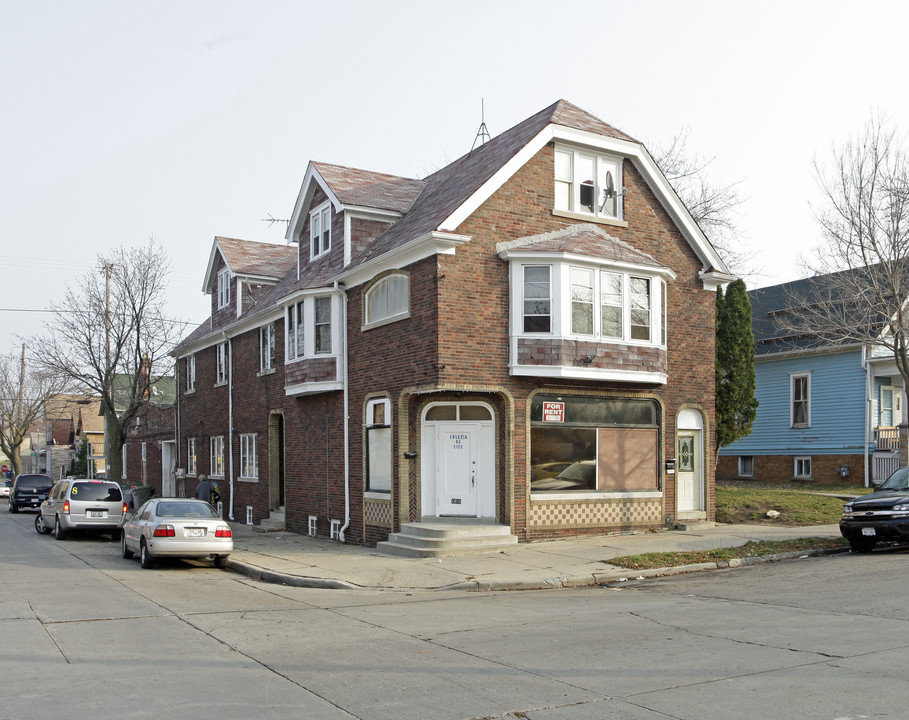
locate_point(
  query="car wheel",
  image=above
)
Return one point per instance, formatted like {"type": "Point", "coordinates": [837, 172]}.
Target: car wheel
{"type": "Point", "coordinates": [219, 561]}
{"type": "Point", "coordinates": [124, 550]}
{"type": "Point", "coordinates": [145, 558]}
{"type": "Point", "coordinates": [40, 525]}
{"type": "Point", "coordinates": [862, 545]}
{"type": "Point", "coordinates": [59, 532]}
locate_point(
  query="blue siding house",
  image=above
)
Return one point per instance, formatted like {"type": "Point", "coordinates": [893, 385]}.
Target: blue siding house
{"type": "Point", "coordinates": [825, 414]}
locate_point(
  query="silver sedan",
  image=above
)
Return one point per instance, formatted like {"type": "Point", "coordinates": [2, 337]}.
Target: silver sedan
{"type": "Point", "coordinates": [176, 528]}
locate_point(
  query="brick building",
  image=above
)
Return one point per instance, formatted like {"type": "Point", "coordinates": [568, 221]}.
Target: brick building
{"type": "Point", "coordinates": [524, 338]}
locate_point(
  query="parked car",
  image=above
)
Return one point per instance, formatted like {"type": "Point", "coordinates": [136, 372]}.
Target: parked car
{"type": "Point", "coordinates": [29, 490]}
{"type": "Point", "coordinates": [176, 528]}
{"type": "Point", "coordinates": [80, 504]}
{"type": "Point", "coordinates": [4, 488]}
{"type": "Point", "coordinates": [577, 476]}
{"type": "Point", "coordinates": [882, 516]}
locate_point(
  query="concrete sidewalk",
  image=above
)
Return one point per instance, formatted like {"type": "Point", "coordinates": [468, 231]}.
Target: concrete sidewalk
{"type": "Point", "coordinates": [291, 559]}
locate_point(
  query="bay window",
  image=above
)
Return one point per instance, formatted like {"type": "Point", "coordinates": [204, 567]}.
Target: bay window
{"type": "Point", "coordinates": [537, 298]}
{"type": "Point", "coordinates": [295, 337]}
{"type": "Point", "coordinates": [267, 348]}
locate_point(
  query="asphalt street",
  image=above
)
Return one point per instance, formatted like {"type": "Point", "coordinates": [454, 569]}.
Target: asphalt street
{"type": "Point", "coordinates": [87, 634]}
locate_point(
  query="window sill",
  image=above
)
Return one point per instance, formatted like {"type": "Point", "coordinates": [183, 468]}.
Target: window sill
{"type": "Point", "coordinates": [590, 218]}
{"type": "Point", "coordinates": [376, 495]}
{"type": "Point", "coordinates": [248, 479]}
{"type": "Point", "coordinates": [385, 321]}
{"type": "Point", "coordinates": [602, 495]}
{"type": "Point", "coordinates": [189, 392]}
{"type": "Point", "coordinates": [222, 383]}
{"type": "Point", "coordinates": [263, 373]}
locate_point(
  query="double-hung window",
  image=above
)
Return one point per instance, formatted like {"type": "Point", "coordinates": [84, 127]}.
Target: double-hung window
{"type": "Point", "coordinates": [323, 325]}
{"type": "Point", "coordinates": [249, 458]}
{"type": "Point", "coordinates": [217, 456]}
{"type": "Point", "coordinates": [588, 183]}
{"type": "Point", "coordinates": [294, 325]}
{"type": "Point", "coordinates": [191, 373]}
{"type": "Point", "coordinates": [223, 288]}
{"type": "Point", "coordinates": [800, 399]}
{"type": "Point", "coordinates": [267, 347]}
{"type": "Point", "coordinates": [221, 370]}
{"type": "Point", "coordinates": [537, 298]}
{"type": "Point", "coordinates": [610, 305]}
{"type": "Point", "coordinates": [191, 456]}
{"type": "Point", "coordinates": [378, 445]}
{"type": "Point", "coordinates": [320, 230]}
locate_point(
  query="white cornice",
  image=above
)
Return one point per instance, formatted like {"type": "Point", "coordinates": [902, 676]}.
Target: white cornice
{"type": "Point", "coordinates": [304, 198]}
{"type": "Point", "coordinates": [651, 270]}
{"type": "Point", "coordinates": [561, 371]}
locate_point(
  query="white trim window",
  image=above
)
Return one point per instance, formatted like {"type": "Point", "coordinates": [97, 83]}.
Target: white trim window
{"type": "Point", "coordinates": [611, 306]}
{"type": "Point", "coordinates": [267, 348]}
{"type": "Point", "coordinates": [223, 288]}
{"type": "Point", "coordinates": [802, 467]}
{"type": "Point", "coordinates": [322, 325]}
{"type": "Point", "coordinates": [588, 183]}
{"type": "Point", "coordinates": [295, 340]}
{"type": "Point", "coordinates": [249, 457]}
{"type": "Point", "coordinates": [216, 466]}
{"type": "Point", "coordinates": [123, 459]}
{"type": "Point", "coordinates": [537, 299]}
{"type": "Point", "coordinates": [388, 299]}
{"type": "Point", "coordinates": [378, 445]}
{"type": "Point", "coordinates": [746, 465]}
{"type": "Point", "coordinates": [191, 456]}
{"type": "Point", "coordinates": [320, 230]}
{"type": "Point", "coordinates": [800, 400]}
{"type": "Point", "coordinates": [221, 372]}
{"type": "Point", "coordinates": [191, 374]}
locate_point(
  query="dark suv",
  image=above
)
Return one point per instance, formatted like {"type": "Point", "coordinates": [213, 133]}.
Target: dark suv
{"type": "Point", "coordinates": [29, 490]}
{"type": "Point", "coordinates": [882, 516]}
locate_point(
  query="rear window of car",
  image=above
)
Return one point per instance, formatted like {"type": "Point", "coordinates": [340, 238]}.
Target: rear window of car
{"type": "Point", "coordinates": [96, 492]}
{"type": "Point", "coordinates": [186, 509]}
{"type": "Point", "coordinates": [30, 482]}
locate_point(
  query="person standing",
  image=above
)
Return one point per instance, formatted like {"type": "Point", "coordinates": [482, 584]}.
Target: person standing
{"type": "Point", "coordinates": [205, 489]}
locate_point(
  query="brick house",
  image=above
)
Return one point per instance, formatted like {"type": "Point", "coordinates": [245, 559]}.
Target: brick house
{"type": "Point", "coordinates": [524, 338]}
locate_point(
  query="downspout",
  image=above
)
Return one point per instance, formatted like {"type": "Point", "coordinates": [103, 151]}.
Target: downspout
{"type": "Point", "coordinates": [230, 422]}
{"type": "Point", "coordinates": [345, 377]}
{"type": "Point", "coordinates": [178, 434]}
{"type": "Point", "coordinates": [866, 366]}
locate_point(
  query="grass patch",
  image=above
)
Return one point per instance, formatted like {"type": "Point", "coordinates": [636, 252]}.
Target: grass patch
{"type": "Point", "coordinates": [754, 548]}
{"type": "Point", "coordinates": [796, 505]}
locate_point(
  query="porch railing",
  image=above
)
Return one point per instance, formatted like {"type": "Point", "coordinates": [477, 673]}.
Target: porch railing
{"type": "Point", "coordinates": [887, 457]}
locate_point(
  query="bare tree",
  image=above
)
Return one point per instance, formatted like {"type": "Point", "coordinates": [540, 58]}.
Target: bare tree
{"type": "Point", "coordinates": [111, 337]}
{"type": "Point", "coordinates": [860, 284]}
{"type": "Point", "coordinates": [23, 394]}
{"type": "Point", "coordinates": [712, 206]}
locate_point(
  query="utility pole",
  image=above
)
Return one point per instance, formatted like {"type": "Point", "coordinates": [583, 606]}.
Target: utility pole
{"type": "Point", "coordinates": [107, 268]}
{"type": "Point", "coordinates": [21, 387]}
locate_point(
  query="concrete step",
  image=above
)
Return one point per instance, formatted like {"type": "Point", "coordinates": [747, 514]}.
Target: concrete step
{"type": "Point", "coordinates": [447, 538]}
{"type": "Point", "coordinates": [274, 522]}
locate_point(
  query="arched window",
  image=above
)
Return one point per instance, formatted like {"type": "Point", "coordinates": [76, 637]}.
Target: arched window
{"type": "Point", "coordinates": [388, 299]}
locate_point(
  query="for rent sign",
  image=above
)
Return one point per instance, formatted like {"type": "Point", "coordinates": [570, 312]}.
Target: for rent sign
{"type": "Point", "coordinates": [554, 412]}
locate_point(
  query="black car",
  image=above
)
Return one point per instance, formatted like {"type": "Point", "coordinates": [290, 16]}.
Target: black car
{"type": "Point", "coordinates": [882, 516]}
{"type": "Point", "coordinates": [29, 490]}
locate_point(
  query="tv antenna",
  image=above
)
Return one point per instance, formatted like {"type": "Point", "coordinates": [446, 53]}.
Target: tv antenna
{"type": "Point", "coordinates": [271, 220]}
{"type": "Point", "coordinates": [482, 133]}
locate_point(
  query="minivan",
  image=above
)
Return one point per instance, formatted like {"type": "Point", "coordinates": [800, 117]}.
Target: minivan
{"type": "Point", "coordinates": [81, 504]}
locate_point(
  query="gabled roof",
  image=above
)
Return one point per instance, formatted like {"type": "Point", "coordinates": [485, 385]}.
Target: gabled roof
{"type": "Point", "coordinates": [364, 188]}
{"type": "Point", "coordinates": [266, 262]}
{"type": "Point", "coordinates": [585, 239]}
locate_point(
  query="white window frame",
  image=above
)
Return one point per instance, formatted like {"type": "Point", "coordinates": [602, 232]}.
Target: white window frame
{"type": "Point", "coordinates": [223, 288]}
{"type": "Point", "coordinates": [801, 466]}
{"type": "Point", "coordinates": [123, 459]}
{"type": "Point", "coordinates": [144, 452]}
{"type": "Point", "coordinates": [377, 300]}
{"type": "Point", "coordinates": [216, 456]}
{"type": "Point", "coordinates": [795, 380]}
{"type": "Point", "coordinates": [378, 438]}
{"type": "Point", "coordinates": [191, 457]}
{"type": "Point", "coordinates": [191, 373]}
{"type": "Point", "coordinates": [571, 192]}
{"type": "Point", "coordinates": [316, 324]}
{"type": "Point", "coordinates": [744, 462]}
{"type": "Point", "coordinates": [320, 231]}
{"type": "Point", "coordinates": [221, 369]}
{"type": "Point", "coordinates": [295, 337]}
{"type": "Point", "coordinates": [536, 302]}
{"type": "Point", "coordinates": [267, 348]}
{"type": "Point", "coordinates": [249, 456]}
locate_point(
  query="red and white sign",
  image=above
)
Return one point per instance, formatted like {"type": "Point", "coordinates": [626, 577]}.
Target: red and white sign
{"type": "Point", "coordinates": [553, 412]}
{"type": "Point", "coordinates": [4, 468]}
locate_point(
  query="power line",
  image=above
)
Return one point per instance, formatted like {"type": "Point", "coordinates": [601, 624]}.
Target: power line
{"type": "Point", "coordinates": [172, 321]}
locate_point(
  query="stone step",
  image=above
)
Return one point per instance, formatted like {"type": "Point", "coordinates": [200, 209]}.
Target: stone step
{"type": "Point", "coordinates": [441, 538]}
{"type": "Point", "coordinates": [274, 522]}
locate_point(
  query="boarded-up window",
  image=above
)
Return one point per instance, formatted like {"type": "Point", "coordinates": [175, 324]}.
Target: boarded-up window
{"type": "Point", "coordinates": [627, 458]}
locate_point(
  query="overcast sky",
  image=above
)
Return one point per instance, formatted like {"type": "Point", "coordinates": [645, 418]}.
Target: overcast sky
{"type": "Point", "coordinates": [188, 119]}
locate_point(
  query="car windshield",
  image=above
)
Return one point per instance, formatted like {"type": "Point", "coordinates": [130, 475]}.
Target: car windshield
{"type": "Point", "coordinates": [185, 509]}
{"type": "Point", "coordinates": [898, 481]}
{"type": "Point", "coordinates": [95, 491]}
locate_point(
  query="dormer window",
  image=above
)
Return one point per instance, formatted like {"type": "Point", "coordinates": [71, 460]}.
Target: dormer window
{"type": "Point", "coordinates": [588, 183]}
{"type": "Point", "coordinates": [320, 230]}
{"type": "Point", "coordinates": [223, 289]}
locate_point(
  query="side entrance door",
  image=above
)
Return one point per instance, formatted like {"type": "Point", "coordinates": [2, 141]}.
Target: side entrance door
{"type": "Point", "coordinates": [689, 473]}
{"type": "Point", "coordinates": [457, 469]}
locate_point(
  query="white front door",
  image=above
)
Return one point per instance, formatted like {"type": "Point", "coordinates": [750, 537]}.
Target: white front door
{"type": "Point", "coordinates": [689, 472]}
{"type": "Point", "coordinates": [457, 469]}
{"type": "Point", "coordinates": [168, 455]}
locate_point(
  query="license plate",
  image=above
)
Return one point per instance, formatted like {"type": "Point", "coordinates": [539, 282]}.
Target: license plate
{"type": "Point", "coordinates": [96, 513]}
{"type": "Point", "coordinates": [194, 532]}
{"type": "Point", "coordinates": [868, 531]}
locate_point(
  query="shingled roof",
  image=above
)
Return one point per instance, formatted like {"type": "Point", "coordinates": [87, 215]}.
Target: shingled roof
{"type": "Point", "coordinates": [365, 188]}
{"type": "Point", "coordinates": [257, 259]}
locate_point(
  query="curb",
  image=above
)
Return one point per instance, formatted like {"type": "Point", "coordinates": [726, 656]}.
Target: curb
{"type": "Point", "coordinates": [609, 577]}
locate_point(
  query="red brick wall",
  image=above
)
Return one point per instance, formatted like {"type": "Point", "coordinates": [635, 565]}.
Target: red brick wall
{"type": "Point", "coordinates": [781, 468]}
